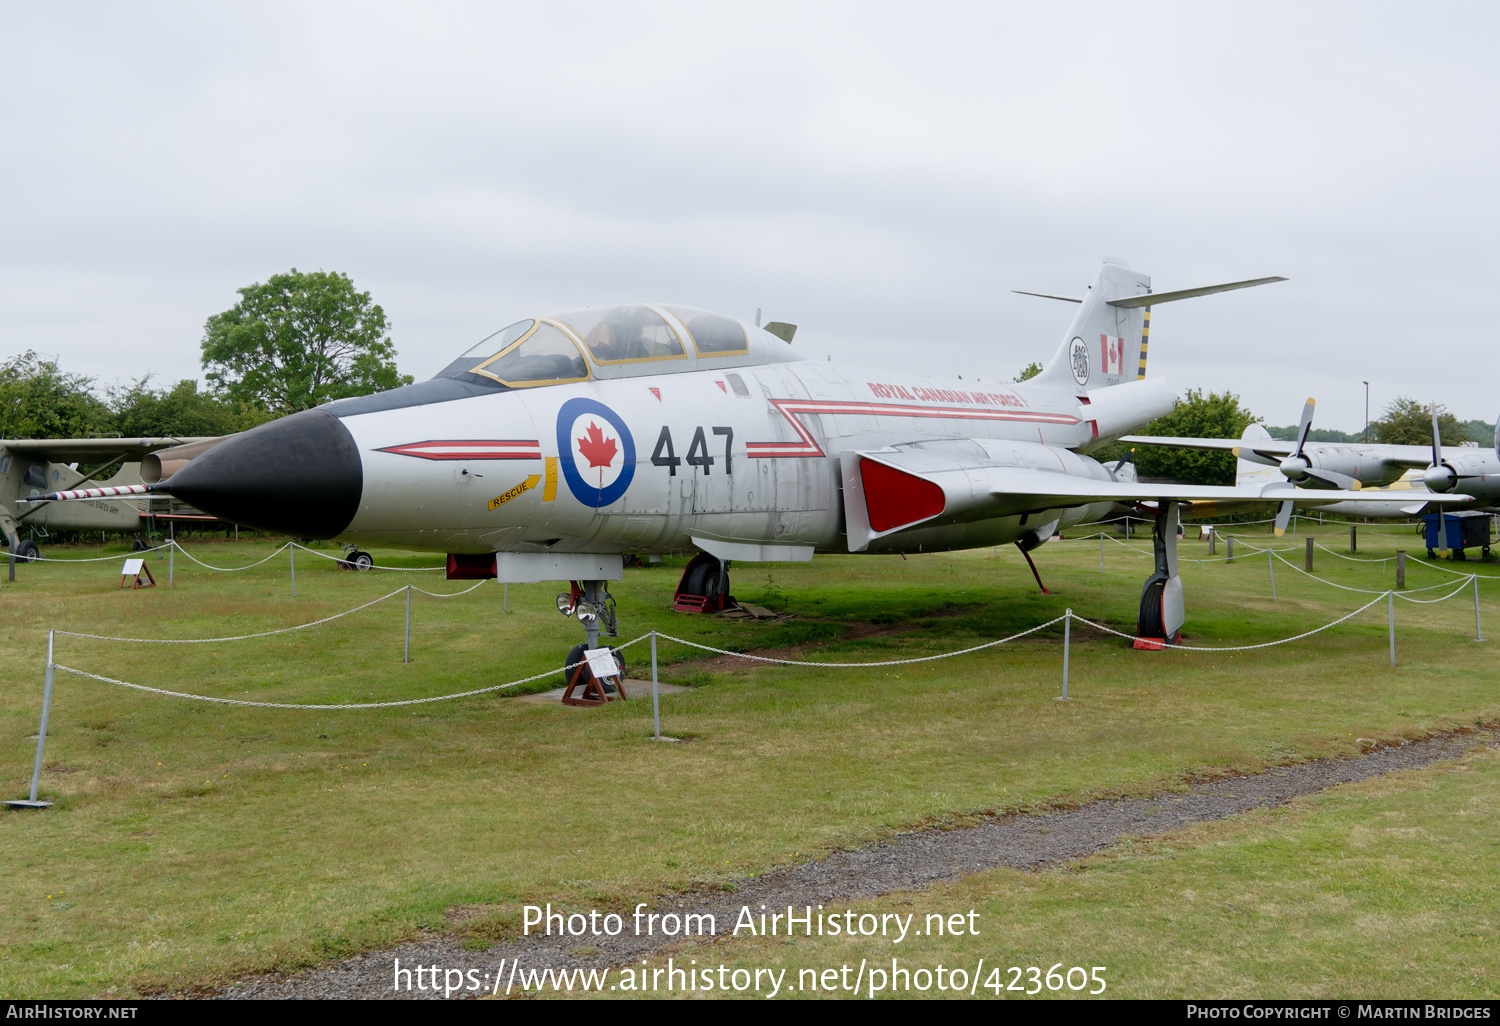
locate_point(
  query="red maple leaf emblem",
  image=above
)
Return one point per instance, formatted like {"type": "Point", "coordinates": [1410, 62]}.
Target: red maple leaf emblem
{"type": "Point", "coordinates": [598, 450]}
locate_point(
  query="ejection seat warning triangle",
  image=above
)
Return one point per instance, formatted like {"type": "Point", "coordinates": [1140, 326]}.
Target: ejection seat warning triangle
{"type": "Point", "coordinates": [132, 571]}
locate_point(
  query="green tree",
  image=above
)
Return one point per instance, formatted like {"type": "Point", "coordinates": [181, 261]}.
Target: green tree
{"type": "Point", "coordinates": [300, 340]}
{"type": "Point", "coordinates": [1195, 415]}
{"type": "Point", "coordinates": [1408, 422]}
{"type": "Point", "coordinates": [39, 400]}
{"type": "Point", "coordinates": [1029, 371]}
{"type": "Point", "coordinates": [140, 410]}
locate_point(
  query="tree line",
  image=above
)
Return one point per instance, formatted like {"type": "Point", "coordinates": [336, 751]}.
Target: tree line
{"type": "Point", "coordinates": [291, 343]}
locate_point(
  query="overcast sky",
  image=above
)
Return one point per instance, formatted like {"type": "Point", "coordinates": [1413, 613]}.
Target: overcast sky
{"type": "Point", "coordinates": [879, 174]}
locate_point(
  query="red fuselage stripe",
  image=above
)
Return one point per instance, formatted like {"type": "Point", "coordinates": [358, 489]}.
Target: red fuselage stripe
{"type": "Point", "coordinates": [470, 449]}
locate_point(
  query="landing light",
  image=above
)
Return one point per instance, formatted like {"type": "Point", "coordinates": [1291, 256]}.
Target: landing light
{"type": "Point", "coordinates": [565, 603]}
{"type": "Point", "coordinates": [586, 612]}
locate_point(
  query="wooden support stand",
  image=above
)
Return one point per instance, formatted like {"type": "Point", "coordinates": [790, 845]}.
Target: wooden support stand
{"type": "Point", "coordinates": [592, 692]}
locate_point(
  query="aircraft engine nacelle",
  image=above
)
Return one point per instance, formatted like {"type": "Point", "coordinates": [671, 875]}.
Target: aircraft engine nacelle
{"type": "Point", "coordinates": [1472, 474]}
{"type": "Point", "coordinates": [1339, 467]}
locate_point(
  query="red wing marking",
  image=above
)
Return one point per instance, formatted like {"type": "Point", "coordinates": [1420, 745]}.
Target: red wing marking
{"type": "Point", "coordinates": [806, 446]}
{"type": "Point", "coordinates": [895, 498]}
{"type": "Point", "coordinates": [469, 449]}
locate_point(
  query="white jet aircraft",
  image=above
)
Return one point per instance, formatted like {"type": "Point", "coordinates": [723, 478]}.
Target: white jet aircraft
{"type": "Point", "coordinates": [561, 442]}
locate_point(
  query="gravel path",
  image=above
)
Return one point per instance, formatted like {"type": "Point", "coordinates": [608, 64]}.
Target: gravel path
{"type": "Point", "coordinates": [905, 863]}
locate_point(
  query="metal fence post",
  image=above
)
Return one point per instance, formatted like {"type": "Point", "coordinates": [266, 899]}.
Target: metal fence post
{"type": "Point", "coordinates": [1067, 640]}
{"type": "Point", "coordinates": [291, 547]}
{"type": "Point", "coordinates": [41, 734]}
{"type": "Point", "coordinates": [1271, 566]}
{"type": "Point", "coordinates": [171, 560]}
{"type": "Point", "coordinates": [1478, 634]}
{"type": "Point", "coordinates": [507, 596]}
{"type": "Point", "coordinates": [406, 654]}
{"type": "Point", "coordinates": [1101, 552]}
{"type": "Point", "coordinates": [655, 703]}
{"type": "Point", "coordinates": [1390, 598]}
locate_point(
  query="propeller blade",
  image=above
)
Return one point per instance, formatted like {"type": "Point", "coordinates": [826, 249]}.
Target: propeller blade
{"type": "Point", "coordinates": [1437, 441]}
{"type": "Point", "coordinates": [1331, 479]}
{"type": "Point", "coordinates": [1305, 426]}
{"type": "Point", "coordinates": [1283, 518]}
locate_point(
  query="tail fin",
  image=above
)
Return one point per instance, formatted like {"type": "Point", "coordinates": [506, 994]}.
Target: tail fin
{"type": "Point", "coordinates": [1249, 473]}
{"type": "Point", "coordinates": [1105, 345]}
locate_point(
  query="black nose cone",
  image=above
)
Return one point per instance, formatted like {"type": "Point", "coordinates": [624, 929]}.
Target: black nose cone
{"type": "Point", "coordinates": [300, 475]}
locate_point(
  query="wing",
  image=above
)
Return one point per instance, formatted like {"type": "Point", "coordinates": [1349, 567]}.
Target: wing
{"type": "Point", "coordinates": [1395, 455]}
{"type": "Point", "coordinates": [68, 450]}
{"type": "Point", "coordinates": [936, 484]}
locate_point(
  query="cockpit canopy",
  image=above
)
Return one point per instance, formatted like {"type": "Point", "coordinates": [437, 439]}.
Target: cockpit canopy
{"type": "Point", "coordinates": [609, 342]}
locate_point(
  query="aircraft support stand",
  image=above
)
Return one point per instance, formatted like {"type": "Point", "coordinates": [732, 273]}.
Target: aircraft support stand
{"type": "Point", "coordinates": [1162, 614]}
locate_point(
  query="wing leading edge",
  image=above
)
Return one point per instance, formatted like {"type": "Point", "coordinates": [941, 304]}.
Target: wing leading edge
{"type": "Point", "coordinates": [922, 485]}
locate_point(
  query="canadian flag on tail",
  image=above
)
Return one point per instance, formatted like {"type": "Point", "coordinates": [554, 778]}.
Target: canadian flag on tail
{"type": "Point", "coordinates": [1112, 354]}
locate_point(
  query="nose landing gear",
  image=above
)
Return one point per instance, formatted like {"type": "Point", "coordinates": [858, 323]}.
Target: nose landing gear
{"type": "Point", "coordinates": [594, 606]}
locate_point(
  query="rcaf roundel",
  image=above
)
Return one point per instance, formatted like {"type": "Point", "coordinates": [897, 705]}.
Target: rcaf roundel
{"type": "Point", "coordinates": [597, 452]}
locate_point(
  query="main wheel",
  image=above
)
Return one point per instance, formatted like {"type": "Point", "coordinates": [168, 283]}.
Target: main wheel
{"type": "Point", "coordinates": [1149, 624]}
{"type": "Point", "coordinates": [361, 560]}
{"type": "Point", "coordinates": [27, 551]}
{"type": "Point", "coordinates": [575, 655]}
{"type": "Point", "coordinates": [703, 579]}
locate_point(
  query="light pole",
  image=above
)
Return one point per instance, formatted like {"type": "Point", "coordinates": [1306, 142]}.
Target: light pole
{"type": "Point", "coordinates": [1367, 412]}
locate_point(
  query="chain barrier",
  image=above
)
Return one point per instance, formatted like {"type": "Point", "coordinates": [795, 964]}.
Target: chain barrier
{"type": "Point", "coordinates": [267, 634]}
{"type": "Point", "coordinates": [1236, 648]}
{"type": "Point", "coordinates": [373, 566]}
{"type": "Point", "coordinates": [228, 569]}
{"type": "Point", "coordinates": [1456, 573]}
{"type": "Point", "coordinates": [236, 637]}
{"type": "Point", "coordinates": [883, 662]}
{"type": "Point", "coordinates": [94, 559]}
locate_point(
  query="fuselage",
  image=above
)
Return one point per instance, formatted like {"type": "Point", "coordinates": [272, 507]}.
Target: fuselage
{"type": "Point", "coordinates": [648, 462]}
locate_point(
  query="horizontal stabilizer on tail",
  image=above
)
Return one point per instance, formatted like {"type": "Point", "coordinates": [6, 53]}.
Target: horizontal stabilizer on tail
{"type": "Point", "coordinates": [1130, 302]}
{"type": "Point", "coordinates": [1046, 295]}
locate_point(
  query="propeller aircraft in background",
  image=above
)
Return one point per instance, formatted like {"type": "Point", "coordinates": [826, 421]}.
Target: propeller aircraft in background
{"type": "Point", "coordinates": [30, 467]}
{"type": "Point", "coordinates": [1382, 473]}
{"type": "Point", "coordinates": [561, 442]}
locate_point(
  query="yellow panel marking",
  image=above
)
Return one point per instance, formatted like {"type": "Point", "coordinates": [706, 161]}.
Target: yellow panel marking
{"type": "Point", "coordinates": [504, 497]}
{"type": "Point", "coordinates": [549, 490]}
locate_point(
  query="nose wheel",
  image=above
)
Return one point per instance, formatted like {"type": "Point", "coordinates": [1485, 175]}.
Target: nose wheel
{"type": "Point", "coordinates": [594, 607]}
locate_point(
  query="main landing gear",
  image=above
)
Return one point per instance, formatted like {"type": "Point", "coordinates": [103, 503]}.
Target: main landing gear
{"type": "Point", "coordinates": [704, 587]}
{"type": "Point", "coordinates": [1162, 611]}
{"type": "Point", "coordinates": [594, 606]}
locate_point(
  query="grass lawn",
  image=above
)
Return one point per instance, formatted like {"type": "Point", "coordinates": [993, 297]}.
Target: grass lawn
{"type": "Point", "coordinates": [1388, 888]}
{"type": "Point", "coordinates": [192, 843]}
